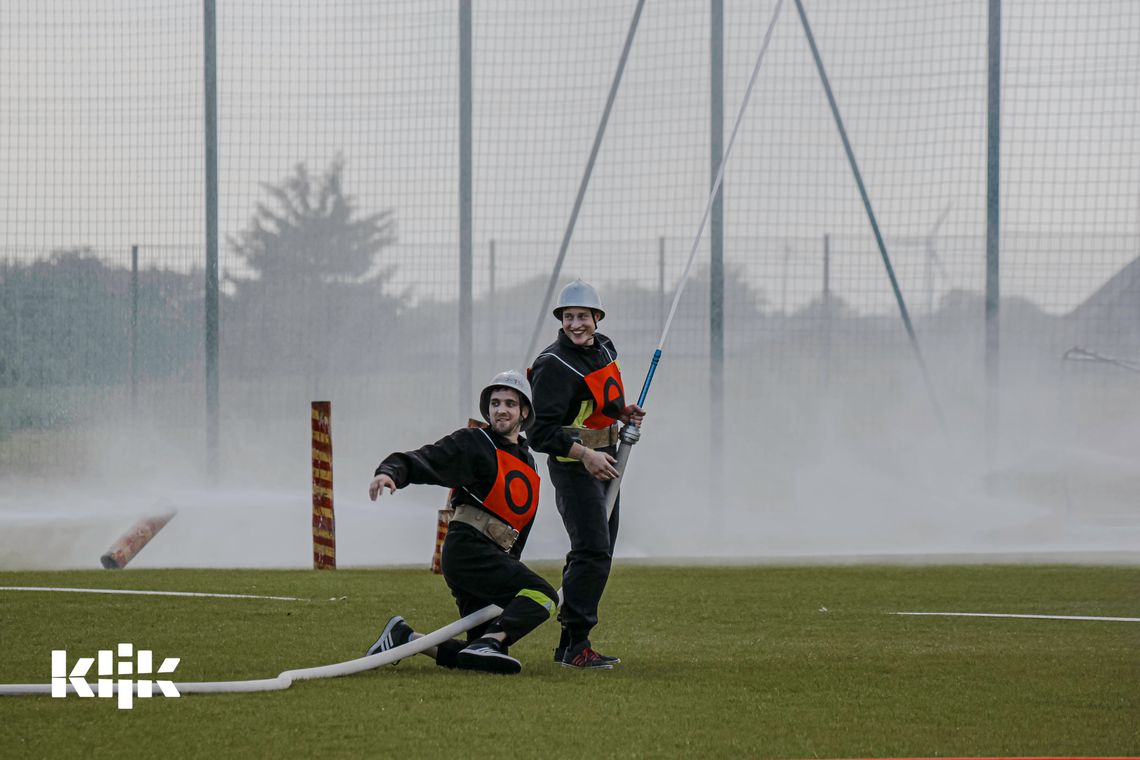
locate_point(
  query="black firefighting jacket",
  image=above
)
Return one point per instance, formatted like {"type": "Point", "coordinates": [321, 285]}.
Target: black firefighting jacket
{"type": "Point", "coordinates": [561, 396]}
{"type": "Point", "coordinates": [463, 461]}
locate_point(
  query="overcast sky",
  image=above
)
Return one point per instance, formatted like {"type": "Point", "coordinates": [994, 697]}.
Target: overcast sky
{"type": "Point", "coordinates": [102, 131]}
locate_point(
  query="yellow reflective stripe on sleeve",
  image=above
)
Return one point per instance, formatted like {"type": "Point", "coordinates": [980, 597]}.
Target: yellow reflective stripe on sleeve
{"type": "Point", "coordinates": [541, 599]}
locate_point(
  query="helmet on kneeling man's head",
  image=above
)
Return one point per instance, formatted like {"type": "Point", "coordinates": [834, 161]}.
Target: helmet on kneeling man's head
{"type": "Point", "coordinates": [511, 380]}
{"type": "Point", "coordinates": [582, 295]}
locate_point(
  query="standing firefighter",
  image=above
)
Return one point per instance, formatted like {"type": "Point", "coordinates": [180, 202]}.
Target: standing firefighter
{"type": "Point", "coordinates": [579, 398]}
{"type": "Point", "coordinates": [496, 498]}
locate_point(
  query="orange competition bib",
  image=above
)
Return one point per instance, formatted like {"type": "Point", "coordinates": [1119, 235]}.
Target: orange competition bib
{"type": "Point", "coordinates": [609, 396]}
{"type": "Point", "coordinates": [514, 496]}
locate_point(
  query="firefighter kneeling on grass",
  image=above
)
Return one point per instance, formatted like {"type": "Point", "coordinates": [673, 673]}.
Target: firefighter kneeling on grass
{"type": "Point", "coordinates": [496, 498]}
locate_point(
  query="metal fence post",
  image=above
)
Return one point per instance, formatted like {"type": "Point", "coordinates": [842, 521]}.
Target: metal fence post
{"type": "Point", "coordinates": [993, 228]}
{"type": "Point", "coordinates": [134, 329]}
{"type": "Point", "coordinates": [716, 242]}
{"type": "Point", "coordinates": [465, 221]}
{"type": "Point", "coordinates": [210, 97]}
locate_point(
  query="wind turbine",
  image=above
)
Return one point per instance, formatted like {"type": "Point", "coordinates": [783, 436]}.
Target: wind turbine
{"type": "Point", "coordinates": [932, 259]}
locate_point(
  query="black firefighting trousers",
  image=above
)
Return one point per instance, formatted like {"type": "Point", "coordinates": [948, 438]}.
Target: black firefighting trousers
{"type": "Point", "coordinates": [581, 500]}
{"type": "Point", "coordinates": [480, 573]}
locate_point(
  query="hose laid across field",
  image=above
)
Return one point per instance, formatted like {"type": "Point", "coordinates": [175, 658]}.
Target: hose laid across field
{"type": "Point", "coordinates": [286, 679]}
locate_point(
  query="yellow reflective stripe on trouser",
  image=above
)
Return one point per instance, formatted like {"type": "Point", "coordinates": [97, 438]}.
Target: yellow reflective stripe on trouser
{"type": "Point", "coordinates": [541, 599]}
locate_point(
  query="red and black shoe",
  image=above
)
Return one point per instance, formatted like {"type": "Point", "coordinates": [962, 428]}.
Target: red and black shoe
{"type": "Point", "coordinates": [581, 655]}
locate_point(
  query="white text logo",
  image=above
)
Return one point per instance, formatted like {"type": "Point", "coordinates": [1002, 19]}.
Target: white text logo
{"type": "Point", "coordinates": [126, 666]}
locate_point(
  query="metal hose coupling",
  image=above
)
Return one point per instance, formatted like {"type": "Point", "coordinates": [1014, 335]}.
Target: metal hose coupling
{"type": "Point", "coordinates": [630, 434]}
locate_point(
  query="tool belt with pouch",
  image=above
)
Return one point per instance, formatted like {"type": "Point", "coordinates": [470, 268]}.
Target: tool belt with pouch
{"type": "Point", "coordinates": [594, 439]}
{"type": "Point", "coordinates": [486, 523]}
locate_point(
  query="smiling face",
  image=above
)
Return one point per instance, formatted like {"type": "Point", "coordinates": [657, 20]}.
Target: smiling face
{"type": "Point", "coordinates": [579, 324]}
{"type": "Point", "coordinates": [507, 412]}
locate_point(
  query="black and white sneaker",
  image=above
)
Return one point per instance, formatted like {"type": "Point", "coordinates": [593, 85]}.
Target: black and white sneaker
{"type": "Point", "coordinates": [489, 656]}
{"type": "Point", "coordinates": [395, 633]}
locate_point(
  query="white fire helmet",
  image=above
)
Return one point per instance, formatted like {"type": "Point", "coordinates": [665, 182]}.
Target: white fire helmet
{"type": "Point", "coordinates": [517, 382]}
{"type": "Point", "coordinates": [579, 293]}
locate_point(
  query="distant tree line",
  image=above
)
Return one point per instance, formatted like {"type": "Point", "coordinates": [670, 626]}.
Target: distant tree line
{"type": "Point", "coordinates": [67, 321]}
{"type": "Point", "coordinates": [308, 256]}
{"type": "Point", "coordinates": [312, 295]}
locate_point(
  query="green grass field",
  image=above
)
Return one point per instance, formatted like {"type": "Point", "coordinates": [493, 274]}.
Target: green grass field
{"type": "Point", "coordinates": [717, 662]}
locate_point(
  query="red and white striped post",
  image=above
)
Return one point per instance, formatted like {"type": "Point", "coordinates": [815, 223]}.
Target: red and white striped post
{"type": "Point", "coordinates": [137, 536]}
{"type": "Point", "coordinates": [324, 526]}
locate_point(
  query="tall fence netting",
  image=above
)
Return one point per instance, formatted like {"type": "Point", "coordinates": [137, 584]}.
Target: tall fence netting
{"type": "Point", "coordinates": [339, 229]}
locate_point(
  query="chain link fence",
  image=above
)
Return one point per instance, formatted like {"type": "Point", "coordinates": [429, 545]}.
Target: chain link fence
{"type": "Point", "coordinates": [338, 170]}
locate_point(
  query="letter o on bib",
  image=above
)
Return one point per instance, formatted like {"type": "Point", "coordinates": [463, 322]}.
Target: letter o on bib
{"type": "Point", "coordinates": [518, 492]}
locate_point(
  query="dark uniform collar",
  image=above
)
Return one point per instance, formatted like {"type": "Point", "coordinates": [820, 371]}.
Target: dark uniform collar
{"type": "Point", "coordinates": [504, 443]}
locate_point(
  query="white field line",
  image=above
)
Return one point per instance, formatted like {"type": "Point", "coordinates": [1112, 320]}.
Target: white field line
{"type": "Point", "coordinates": [1033, 617]}
{"type": "Point", "coordinates": [147, 593]}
